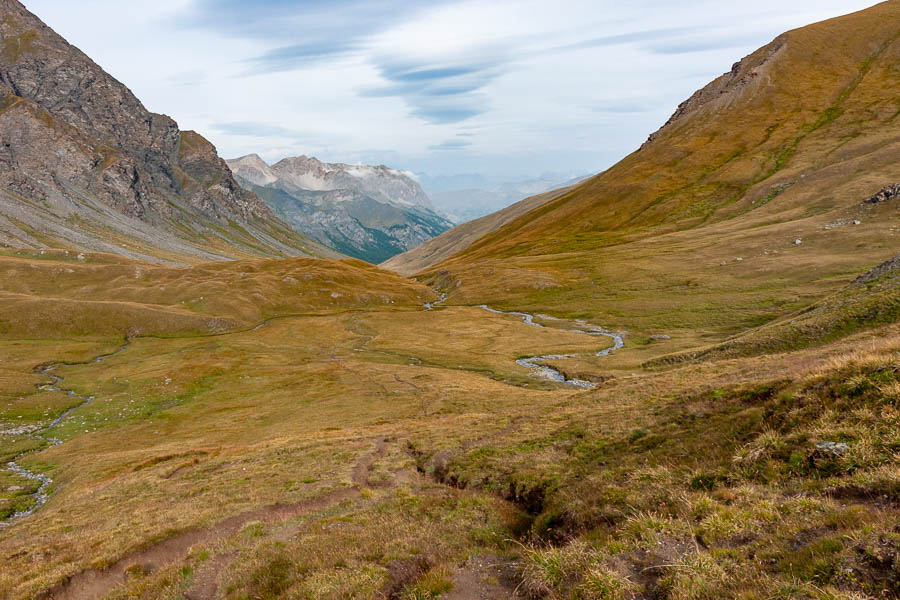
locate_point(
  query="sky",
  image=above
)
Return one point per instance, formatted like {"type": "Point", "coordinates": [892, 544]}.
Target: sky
{"type": "Point", "coordinates": [507, 89]}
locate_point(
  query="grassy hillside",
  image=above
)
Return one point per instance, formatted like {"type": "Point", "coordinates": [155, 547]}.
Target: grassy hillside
{"type": "Point", "coordinates": [871, 301]}
{"type": "Point", "coordinates": [696, 230]}
{"type": "Point", "coordinates": [63, 293]}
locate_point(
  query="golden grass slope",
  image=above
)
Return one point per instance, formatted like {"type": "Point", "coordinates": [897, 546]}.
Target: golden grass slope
{"type": "Point", "coordinates": [871, 301]}
{"type": "Point", "coordinates": [63, 293]}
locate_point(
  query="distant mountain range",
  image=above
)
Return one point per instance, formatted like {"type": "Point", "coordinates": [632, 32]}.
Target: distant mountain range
{"type": "Point", "coordinates": [368, 212]}
{"type": "Point", "coordinates": [83, 165]}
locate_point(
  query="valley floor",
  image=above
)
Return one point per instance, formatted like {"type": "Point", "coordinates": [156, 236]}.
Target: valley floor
{"type": "Point", "coordinates": [402, 453]}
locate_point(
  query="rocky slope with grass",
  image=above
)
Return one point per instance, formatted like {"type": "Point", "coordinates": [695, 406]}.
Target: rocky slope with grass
{"type": "Point", "coordinates": [84, 165]}
{"type": "Point", "coordinates": [368, 212]}
{"type": "Point", "coordinates": [870, 302]}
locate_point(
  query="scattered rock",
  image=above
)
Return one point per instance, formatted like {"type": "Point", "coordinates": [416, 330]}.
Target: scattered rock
{"type": "Point", "coordinates": [840, 223]}
{"type": "Point", "coordinates": [739, 259]}
{"type": "Point", "coordinates": [882, 269]}
{"type": "Point", "coordinates": [887, 193]}
{"type": "Point", "coordinates": [660, 337]}
{"type": "Point", "coordinates": [832, 448]}
{"type": "Point", "coordinates": [856, 221]}
{"type": "Point", "coordinates": [798, 241]}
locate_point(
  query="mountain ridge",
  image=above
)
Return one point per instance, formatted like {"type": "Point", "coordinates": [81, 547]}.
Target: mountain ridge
{"type": "Point", "coordinates": [369, 212]}
{"type": "Point", "coordinates": [464, 235]}
{"type": "Point", "coordinates": [79, 148]}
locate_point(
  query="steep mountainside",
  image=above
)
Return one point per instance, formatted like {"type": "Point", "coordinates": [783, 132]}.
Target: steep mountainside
{"type": "Point", "coordinates": [462, 236]}
{"type": "Point", "coordinates": [748, 204]}
{"type": "Point", "coordinates": [367, 212]}
{"type": "Point", "coordinates": [84, 165]}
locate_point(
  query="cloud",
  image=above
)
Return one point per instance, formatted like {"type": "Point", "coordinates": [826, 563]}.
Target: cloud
{"type": "Point", "coordinates": [308, 31]}
{"type": "Point", "coordinates": [441, 92]}
{"type": "Point", "coordinates": [625, 38]}
{"type": "Point", "coordinates": [295, 56]}
{"type": "Point", "coordinates": [450, 145]}
{"type": "Point", "coordinates": [670, 40]}
{"type": "Point", "coordinates": [715, 41]}
{"type": "Point", "coordinates": [188, 78]}
{"type": "Point", "coordinates": [254, 129]}
{"type": "Point", "coordinates": [622, 107]}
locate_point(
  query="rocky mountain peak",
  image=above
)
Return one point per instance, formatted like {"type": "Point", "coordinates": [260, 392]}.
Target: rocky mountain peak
{"type": "Point", "coordinates": [381, 183]}
{"type": "Point", "coordinates": [370, 212]}
{"type": "Point", "coordinates": [253, 169]}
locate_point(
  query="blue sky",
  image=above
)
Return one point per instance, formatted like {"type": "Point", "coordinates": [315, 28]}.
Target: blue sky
{"type": "Point", "coordinates": [506, 89]}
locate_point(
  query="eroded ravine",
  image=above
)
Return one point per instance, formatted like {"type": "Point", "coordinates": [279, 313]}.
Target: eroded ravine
{"type": "Point", "coordinates": [537, 364]}
{"type": "Point", "coordinates": [41, 495]}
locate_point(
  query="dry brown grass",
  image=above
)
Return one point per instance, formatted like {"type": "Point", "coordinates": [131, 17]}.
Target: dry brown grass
{"type": "Point", "coordinates": [246, 421]}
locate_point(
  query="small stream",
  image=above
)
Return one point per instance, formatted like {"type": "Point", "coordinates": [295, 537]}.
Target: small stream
{"type": "Point", "coordinates": [537, 363]}
{"type": "Point", "coordinates": [41, 495]}
{"type": "Point", "coordinates": [431, 305]}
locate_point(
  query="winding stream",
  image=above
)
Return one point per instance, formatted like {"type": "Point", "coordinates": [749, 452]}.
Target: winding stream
{"type": "Point", "coordinates": [536, 363]}
{"type": "Point", "coordinates": [431, 305]}
{"type": "Point", "coordinates": [41, 495]}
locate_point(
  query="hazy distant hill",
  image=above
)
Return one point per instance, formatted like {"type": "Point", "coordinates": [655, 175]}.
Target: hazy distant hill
{"type": "Point", "coordinates": [465, 198]}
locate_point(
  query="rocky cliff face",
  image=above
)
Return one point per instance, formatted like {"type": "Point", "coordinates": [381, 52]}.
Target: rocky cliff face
{"type": "Point", "coordinates": [78, 145]}
{"type": "Point", "coordinates": [372, 213]}
{"type": "Point", "coordinates": [380, 183]}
